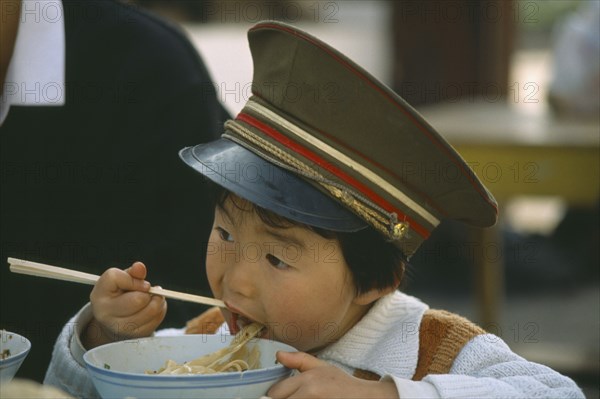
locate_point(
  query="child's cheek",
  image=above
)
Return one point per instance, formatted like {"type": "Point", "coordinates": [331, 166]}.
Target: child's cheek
{"type": "Point", "coordinates": [290, 324]}
{"type": "Point", "coordinates": [213, 270]}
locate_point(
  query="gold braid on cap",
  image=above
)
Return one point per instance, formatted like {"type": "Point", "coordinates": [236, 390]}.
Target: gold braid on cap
{"type": "Point", "coordinates": [385, 222]}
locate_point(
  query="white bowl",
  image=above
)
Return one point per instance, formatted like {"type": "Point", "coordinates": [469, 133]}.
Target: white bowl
{"type": "Point", "coordinates": [117, 369]}
{"type": "Point", "coordinates": [15, 347]}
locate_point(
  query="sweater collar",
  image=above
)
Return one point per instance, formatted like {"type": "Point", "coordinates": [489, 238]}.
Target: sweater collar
{"type": "Point", "coordinates": [385, 341]}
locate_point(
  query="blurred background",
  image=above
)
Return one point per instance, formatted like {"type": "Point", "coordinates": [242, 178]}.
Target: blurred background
{"type": "Point", "coordinates": [514, 86]}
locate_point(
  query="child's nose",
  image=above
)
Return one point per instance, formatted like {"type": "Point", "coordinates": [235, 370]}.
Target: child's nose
{"type": "Point", "coordinates": [241, 276]}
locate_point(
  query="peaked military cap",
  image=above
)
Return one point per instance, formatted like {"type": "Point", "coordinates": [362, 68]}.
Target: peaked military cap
{"type": "Point", "coordinates": [322, 142]}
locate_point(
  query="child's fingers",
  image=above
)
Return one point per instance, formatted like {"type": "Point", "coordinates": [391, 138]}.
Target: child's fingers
{"type": "Point", "coordinates": [141, 323]}
{"type": "Point", "coordinates": [300, 361]}
{"type": "Point", "coordinates": [115, 280]}
{"type": "Point", "coordinates": [129, 303]}
{"type": "Point", "coordinates": [122, 305]}
{"type": "Point", "coordinates": [134, 306]}
{"type": "Point", "coordinates": [153, 314]}
{"type": "Point", "coordinates": [145, 321]}
{"type": "Point", "coordinates": [137, 270]}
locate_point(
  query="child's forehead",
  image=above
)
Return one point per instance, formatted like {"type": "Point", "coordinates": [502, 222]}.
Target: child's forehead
{"type": "Point", "coordinates": [237, 211]}
{"type": "Point", "coordinates": [242, 213]}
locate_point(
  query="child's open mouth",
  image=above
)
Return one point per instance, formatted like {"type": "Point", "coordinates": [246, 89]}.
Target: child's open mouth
{"type": "Point", "coordinates": [238, 322]}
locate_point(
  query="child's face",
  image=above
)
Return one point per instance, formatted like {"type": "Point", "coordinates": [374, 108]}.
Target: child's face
{"type": "Point", "coordinates": [292, 280]}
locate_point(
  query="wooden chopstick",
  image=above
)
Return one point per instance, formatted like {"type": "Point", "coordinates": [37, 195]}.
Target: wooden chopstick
{"type": "Point", "coordinates": [60, 273]}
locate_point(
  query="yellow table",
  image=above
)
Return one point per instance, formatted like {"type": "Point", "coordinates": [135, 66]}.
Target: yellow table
{"type": "Point", "coordinates": [518, 153]}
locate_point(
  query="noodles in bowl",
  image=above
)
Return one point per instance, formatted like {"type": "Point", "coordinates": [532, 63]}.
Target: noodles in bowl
{"type": "Point", "coordinates": [235, 357]}
{"type": "Point", "coordinates": [119, 369]}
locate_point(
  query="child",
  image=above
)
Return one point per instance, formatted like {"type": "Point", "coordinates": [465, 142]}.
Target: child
{"type": "Point", "coordinates": [315, 218]}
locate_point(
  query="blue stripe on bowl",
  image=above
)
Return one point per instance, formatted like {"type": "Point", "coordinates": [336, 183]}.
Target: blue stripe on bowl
{"type": "Point", "coordinates": [249, 376]}
{"type": "Point", "coordinates": [196, 385]}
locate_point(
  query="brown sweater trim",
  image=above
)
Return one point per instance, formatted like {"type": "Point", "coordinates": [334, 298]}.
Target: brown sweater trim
{"type": "Point", "coordinates": [442, 335]}
{"type": "Point", "coordinates": [366, 375]}
{"type": "Point", "coordinates": [206, 323]}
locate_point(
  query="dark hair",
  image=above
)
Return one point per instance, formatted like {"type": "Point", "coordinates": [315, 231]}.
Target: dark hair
{"type": "Point", "coordinates": [374, 262]}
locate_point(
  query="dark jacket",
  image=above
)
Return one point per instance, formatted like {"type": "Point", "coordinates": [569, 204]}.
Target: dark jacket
{"type": "Point", "coordinates": [97, 182]}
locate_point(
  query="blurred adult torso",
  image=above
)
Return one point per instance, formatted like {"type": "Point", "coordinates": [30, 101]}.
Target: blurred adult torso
{"type": "Point", "coordinates": [97, 182]}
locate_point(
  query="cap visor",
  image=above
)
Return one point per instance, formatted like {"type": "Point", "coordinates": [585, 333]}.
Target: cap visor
{"type": "Point", "coordinates": [269, 186]}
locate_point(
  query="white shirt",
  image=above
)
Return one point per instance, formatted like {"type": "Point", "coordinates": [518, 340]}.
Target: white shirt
{"type": "Point", "coordinates": [36, 73]}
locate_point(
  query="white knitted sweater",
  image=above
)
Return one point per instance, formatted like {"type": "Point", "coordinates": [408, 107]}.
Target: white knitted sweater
{"type": "Point", "coordinates": [386, 342]}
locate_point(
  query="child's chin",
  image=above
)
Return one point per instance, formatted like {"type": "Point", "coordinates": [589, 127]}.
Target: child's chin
{"type": "Point", "coordinates": [268, 335]}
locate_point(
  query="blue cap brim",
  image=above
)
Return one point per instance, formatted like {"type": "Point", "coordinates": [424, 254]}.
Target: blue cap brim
{"type": "Point", "coordinates": [268, 186]}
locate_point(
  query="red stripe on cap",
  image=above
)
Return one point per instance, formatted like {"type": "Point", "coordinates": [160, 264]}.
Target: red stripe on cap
{"type": "Point", "coordinates": [390, 98]}
{"type": "Point", "coordinates": [305, 152]}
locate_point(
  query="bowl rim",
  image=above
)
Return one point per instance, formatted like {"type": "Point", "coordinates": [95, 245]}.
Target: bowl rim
{"type": "Point", "coordinates": [15, 357]}
{"type": "Point", "coordinates": [272, 372]}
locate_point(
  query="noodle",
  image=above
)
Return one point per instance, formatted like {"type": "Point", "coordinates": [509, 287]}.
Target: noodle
{"type": "Point", "coordinates": [235, 357]}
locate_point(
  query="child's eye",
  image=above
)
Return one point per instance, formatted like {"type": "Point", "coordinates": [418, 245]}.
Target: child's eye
{"type": "Point", "coordinates": [224, 235]}
{"type": "Point", "coordinates": [276, 262]}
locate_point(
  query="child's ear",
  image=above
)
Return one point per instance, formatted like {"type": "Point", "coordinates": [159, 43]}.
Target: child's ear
{"type": "Point", "coordinates": [366, 298]}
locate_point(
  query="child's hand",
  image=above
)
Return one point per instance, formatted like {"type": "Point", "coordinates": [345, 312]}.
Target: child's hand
{"type": "Point", "coordinates": [122, 307]}
{"type": "Point", "coordinates": [318, 379]}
